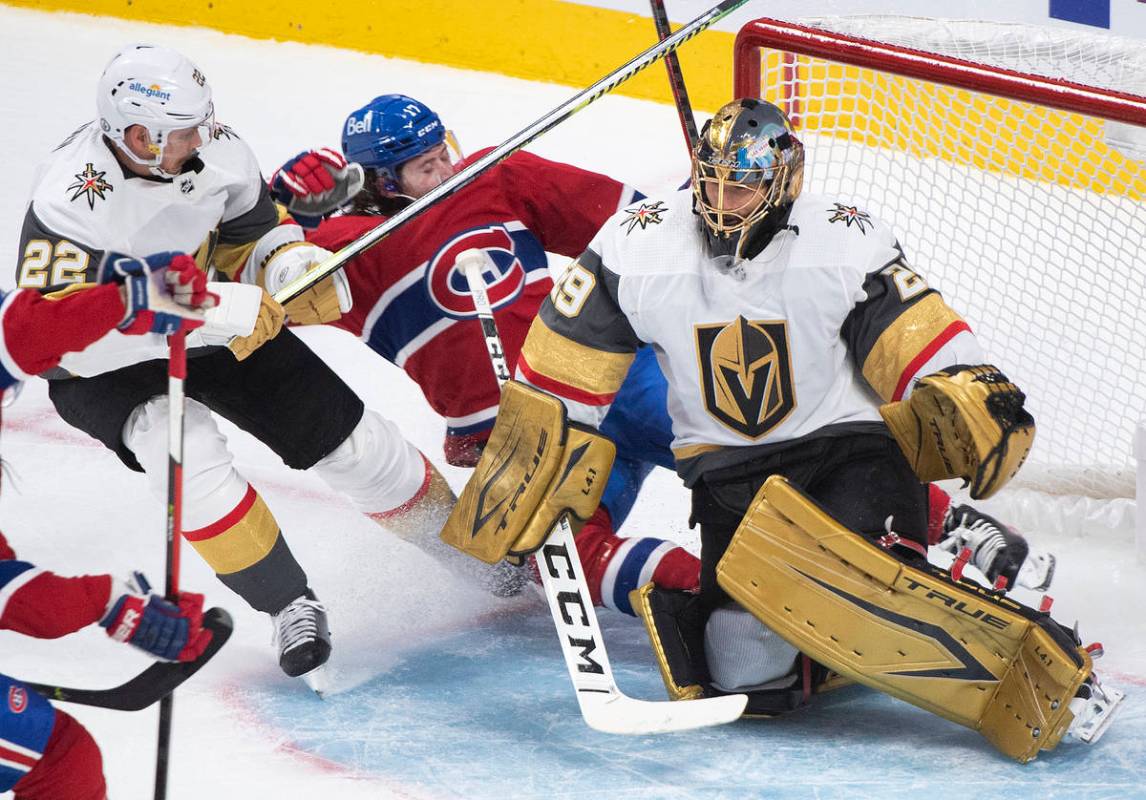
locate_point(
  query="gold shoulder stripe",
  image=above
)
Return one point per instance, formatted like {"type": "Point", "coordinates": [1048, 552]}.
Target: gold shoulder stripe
{"type": "Point", "coordinates": [688, 451]}
{"type": "Point", "coordinates": [907, 343]}
{"type": "Point", "coordinates": [557, 358]}
{"type": "Point", "coordinates": [70, 289]}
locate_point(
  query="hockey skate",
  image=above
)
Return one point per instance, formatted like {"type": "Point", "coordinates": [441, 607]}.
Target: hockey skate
{"type": "Point", "coordinates": [1094, 706]}
{"type": "Point", "coordinates": [996, 549]}
{"type": "Point", "coordinates": [303, 638]}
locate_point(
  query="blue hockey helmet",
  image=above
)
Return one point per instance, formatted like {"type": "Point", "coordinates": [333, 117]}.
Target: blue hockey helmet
{"type": "Point", "coordinates": [389, 131]}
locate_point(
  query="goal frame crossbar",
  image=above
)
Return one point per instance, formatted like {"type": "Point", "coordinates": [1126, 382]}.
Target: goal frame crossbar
{"type": "Point", "coordinates": [773, 34]}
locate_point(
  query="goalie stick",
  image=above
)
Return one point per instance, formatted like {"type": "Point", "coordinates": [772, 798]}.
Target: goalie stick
{"type": "Point", "coordinates": [603, 706]}
{"type": "Point", "coordinates": [466, 176]}
{"type": "Point", "coordinates": [154, 683]}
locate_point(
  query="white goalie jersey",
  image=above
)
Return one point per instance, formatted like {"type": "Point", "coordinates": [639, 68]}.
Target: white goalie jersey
{"type": "Point", "coordinates": [806, 339]}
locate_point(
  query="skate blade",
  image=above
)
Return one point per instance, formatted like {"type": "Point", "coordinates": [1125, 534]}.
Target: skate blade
{"type": "Point", "coordinates": [1037, 572]}
{"type": "Point", "coordinates": [1095, 716]}
{"type": "Point", "coordinates": [316, 679]}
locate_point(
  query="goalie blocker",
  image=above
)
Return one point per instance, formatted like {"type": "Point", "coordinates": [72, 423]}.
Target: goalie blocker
{"type": "Point", "coordinates": [962, 652]}
{"type": "Point", "coordinates": [535, 467]}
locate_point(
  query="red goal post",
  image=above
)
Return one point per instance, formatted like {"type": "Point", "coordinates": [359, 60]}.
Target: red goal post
{"type": "Point", "coordinates": [1011, 161]}
{"type": "Point", "coordinates": [923, 65]}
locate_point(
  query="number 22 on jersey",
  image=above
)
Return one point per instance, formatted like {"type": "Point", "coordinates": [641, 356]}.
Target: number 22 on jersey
{"type": "Point", "coordinates": [45, 265]}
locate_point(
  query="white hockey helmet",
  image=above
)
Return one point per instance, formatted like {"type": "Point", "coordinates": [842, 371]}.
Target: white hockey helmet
{"type": "Point", "coordinates": [158, 88]}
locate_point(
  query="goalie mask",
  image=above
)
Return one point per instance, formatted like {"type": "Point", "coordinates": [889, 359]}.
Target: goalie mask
{"type": "Point", "coordinates": [160, 89]}
{"type": "Point", "coordinates": [747, 170]}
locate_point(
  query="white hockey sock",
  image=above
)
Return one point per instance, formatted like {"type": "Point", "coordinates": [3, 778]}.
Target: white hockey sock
{"type": "Point", "coordinates": [745, 655]}
{"type": "Point", "coordinates": [375, 467]}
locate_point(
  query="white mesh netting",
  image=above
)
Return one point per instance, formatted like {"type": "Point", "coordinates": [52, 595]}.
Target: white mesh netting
{"type": "Point", "coordinates": [1027, 220]}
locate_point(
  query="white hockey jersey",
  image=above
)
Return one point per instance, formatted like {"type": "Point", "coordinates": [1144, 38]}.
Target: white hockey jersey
{"type": "Point", "coordinates": [805, 339]}
{"type": "Point", "coordinates": [84, 204]}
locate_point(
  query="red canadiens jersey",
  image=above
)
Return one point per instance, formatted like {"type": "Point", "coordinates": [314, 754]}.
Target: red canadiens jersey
{"type": "Point", "coordinates": [39, 603]}
{"type": "Point", "coordinates": [413, 307]}
{"type": "Point", "coordinates": [35, 332]}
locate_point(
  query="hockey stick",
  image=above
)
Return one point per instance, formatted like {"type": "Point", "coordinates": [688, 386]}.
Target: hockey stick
{"type": "Point", "coordinates": [154, 683]}
{"type": "Point", "coordinates": [176, 373]}
{"type": "Point", "coordinates": [676, 79]}
{"type": "Point", "coordinates": [466, 176]}
{"type": "Point", "coordinates": [603, 706]}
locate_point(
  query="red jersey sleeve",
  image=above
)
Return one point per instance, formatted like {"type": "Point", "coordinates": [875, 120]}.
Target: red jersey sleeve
{"type": "Point", "coordinates": [563, 205]}
{"type": "Point", "coordinates": [39, 603]}
{"type": "Point", "coordinates": [35, 331]}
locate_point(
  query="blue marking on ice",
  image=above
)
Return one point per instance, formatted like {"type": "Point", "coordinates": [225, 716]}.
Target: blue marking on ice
{"type": "Point", "coordinates": [488, 713]}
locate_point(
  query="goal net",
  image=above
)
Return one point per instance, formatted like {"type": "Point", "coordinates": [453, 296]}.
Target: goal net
{"type": "Point", "coordinates": [1011, 162]}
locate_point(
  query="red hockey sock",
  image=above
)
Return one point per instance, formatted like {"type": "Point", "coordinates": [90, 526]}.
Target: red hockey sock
{"type": "Point", "coordinates": [615, 565]}
{"type": "Point", "coordinates": [938, 501]}
{"type": "Point", "coordinates": [678, 569]}
{"type": "Point", "coordinates": [596, 544]}
{"type": "Point", "coordinates": [71, 766]}
{"type": "Point", "coordinates": [6, 551]}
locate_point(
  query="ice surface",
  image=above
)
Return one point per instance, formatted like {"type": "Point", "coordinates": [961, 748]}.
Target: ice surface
{"type": "Point", "coordinates": [444, 692]}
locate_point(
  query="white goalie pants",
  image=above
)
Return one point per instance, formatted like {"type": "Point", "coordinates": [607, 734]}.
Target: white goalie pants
{"type": "Point", "coordinates": [375, 466]}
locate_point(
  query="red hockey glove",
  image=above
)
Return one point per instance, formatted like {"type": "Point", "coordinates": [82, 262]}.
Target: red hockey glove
{"type": "Point", "coordinates": [157, 626]}
{"type": "Point", "coordinates": [314, 183]}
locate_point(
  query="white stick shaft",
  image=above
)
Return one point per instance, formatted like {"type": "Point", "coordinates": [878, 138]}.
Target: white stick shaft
{"type": "Point", "coordinates": [567, 591]}
{"type": "Point", "coordinates": [603, 706]}
{"type": "Point", "coordinates": [562, 574]}
{"type": "Point", "coordinates": [472, 262]}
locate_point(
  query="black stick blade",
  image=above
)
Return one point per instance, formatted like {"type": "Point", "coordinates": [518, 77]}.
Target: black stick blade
{"type": "Point", "coordinates": [154, 683]}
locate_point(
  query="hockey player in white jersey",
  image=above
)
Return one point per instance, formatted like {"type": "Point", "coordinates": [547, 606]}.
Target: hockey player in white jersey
{"type": "Point", "coordinates": [155, 173]}
{"type": "Point", "coordinates": [815, 383]}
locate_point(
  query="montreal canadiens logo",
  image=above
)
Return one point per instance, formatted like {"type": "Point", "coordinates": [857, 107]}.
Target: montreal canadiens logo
{"type": "Point", "coordinates": [17, 699]}
{"type": "Point", "coordinates": [447, 285]}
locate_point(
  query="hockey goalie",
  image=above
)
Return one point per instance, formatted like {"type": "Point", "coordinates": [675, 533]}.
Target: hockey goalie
{"type": "Point", "coordinates": [817, 383]}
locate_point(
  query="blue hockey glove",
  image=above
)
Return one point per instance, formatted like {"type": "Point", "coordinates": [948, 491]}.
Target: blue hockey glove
{"type": "Point", "coordinates": [163, 293]}
{"type": "Point", "coordinates": [164, 630]}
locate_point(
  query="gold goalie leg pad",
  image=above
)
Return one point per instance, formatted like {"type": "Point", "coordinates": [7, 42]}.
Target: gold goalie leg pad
{"type": "Point", "coordinates": [675, 626]}
{"type": "Point", "coordinates": [534, 468]}
{"type": "Point", "coordinates": [956, 650]}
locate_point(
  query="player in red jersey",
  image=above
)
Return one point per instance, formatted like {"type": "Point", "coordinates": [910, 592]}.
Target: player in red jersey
{"type": "Point", "coordinates": [412, 307]}
{"type": "Point", "coordinates": [44, 753]}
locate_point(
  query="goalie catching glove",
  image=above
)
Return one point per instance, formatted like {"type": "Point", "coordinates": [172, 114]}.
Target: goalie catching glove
{"type": "Point", "coordinates": [282, 256]}
{"type": "Point", "coordinates": [535, 467]}
{"type": "Point", "coordinates": [966, 422]}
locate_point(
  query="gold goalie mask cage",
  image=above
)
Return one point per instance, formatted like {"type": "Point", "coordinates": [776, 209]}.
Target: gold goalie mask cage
{"type": "Point", "coordinates": [747, 170]}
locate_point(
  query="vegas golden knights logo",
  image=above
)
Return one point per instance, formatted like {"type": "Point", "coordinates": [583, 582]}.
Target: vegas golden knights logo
{"type": "Point", "coordinates": [746, 374]}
